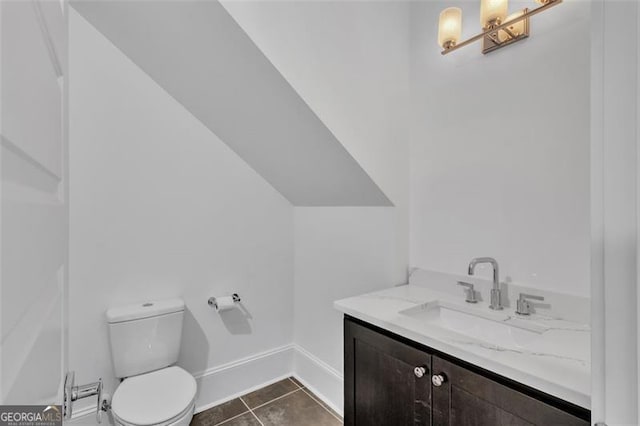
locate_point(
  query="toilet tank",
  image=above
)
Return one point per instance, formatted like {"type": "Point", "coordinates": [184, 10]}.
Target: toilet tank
{"type": "Point", "coordinates": [145, 336]}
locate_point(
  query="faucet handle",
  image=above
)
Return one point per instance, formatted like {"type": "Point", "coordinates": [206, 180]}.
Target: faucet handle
{"type": "Point", "coordinates": [469, 292]}
{"type": "Point", "coordinates": [523, 307]}
{"type": "Point", "coordinates": [530, 296]}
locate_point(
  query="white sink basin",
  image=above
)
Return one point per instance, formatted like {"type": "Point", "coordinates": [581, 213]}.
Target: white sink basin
{"type": "Point", "coordinates": [495, 328]}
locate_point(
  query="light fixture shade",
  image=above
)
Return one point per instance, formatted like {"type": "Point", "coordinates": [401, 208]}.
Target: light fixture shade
{"type": "Point", "coordinates": [450, 27]}
{"type": "Point", "coordinates": [492, 11]}
{"type": "Point", "coordinates": [516, 29]}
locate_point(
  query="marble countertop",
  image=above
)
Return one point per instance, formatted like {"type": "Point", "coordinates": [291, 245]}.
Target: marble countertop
{"type": "Point", "coordinates": [558, 362]}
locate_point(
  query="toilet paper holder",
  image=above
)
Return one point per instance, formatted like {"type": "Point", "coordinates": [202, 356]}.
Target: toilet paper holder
{"type": "Point", "coordinates": [214, 304]}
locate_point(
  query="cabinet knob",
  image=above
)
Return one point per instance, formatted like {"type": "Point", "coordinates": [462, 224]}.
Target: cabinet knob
{"type": "Point", "coordinates": [419, 372]}
{"type": "Point", "coordinates": [438, 379]}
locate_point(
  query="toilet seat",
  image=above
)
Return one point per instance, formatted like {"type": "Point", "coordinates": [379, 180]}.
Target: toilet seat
{"type": "Point", "coordinates": [160, 398]}
{"type": "Point", "coordinates": [183, 419]}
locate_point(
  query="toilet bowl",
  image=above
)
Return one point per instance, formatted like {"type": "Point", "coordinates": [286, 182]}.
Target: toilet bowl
{"type": "Point", "coordinates": [145, 343]}
{"type": "Point", "coordinates": [164, 397]}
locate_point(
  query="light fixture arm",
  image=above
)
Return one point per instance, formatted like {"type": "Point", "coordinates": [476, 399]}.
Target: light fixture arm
{"type": "Point", "coordinates": [490, 32]}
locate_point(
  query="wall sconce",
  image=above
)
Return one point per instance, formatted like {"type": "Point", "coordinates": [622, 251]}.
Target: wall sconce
{"type": "Point", "coordinates": [498, 29]}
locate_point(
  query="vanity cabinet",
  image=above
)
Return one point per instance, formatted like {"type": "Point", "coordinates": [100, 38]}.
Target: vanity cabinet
{"type": "Point", "coordinates": [386, 381]}
{"type": "Point", "coordinates": [390, 381]}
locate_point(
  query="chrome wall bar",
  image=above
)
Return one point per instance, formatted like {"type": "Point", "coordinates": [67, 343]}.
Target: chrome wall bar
{"type": "Point", "coordinates": [73, 393]}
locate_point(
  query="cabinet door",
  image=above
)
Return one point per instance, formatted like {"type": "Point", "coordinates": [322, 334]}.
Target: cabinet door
{"type": "Point", "coordinates": [381, 386]}
{"type": "Point", "coordinates": [469, 399]}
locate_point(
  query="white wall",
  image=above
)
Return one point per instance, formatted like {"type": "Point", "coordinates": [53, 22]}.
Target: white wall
{"type": "Point", "coordinates": [223, 79]}
{"type": "Point", "coordinates": [161, 208]}
{"type": "Point", "coordinates": [500, 149]}
{"type": "Point", "coordinates": [339, 252]}
{"type": "Point", "coordinates": [349, 62]}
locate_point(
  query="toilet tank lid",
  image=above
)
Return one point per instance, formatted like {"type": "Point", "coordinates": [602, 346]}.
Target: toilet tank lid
{"type": "Point", "coordinates": [144, 310]}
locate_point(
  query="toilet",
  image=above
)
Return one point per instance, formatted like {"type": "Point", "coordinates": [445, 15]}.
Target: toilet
{"type": "Point", "coordinates": [145, 343]}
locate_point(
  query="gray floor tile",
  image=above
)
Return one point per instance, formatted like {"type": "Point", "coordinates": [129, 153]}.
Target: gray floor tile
{"type": "Point", "coordinates": [266, 394]}
{"type": "Point", "coordinates": [319, 401]}
{"type": "Point", "coordinates": [297, 409]}
{"type": "Point", "coordinates": [243, 420]}
{"type": "Point", "coordinates": [296, 381]}
{"type": "Point", "coordinates": [219, 413]}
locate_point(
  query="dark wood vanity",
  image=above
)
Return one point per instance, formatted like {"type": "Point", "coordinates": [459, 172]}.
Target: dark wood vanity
{"type": "Point", "coordinates": [392, 381]}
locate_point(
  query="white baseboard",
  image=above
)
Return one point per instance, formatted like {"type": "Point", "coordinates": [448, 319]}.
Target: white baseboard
{"type": "Point", "coordinates": [223, 383]}
{"type": "Point", "coordinates": [323, 380]}
{"type": "Point", "coordinates": [226, 382]}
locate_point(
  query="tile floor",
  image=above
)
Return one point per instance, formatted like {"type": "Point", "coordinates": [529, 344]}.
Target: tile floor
{"type": "Point", "coordinates": [284, 403]}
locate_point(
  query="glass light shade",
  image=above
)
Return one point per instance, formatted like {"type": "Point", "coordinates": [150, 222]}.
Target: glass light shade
{"type": "Point", "coordinates": [450, 26]}
{"type": "Point", "coordinates": [516, 29]}
{"type": "Point", "coordinates": [492, 11]}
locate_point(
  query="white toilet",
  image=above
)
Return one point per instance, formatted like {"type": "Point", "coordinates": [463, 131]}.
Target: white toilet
{"type": "Point", "coordinates": [145, 343]}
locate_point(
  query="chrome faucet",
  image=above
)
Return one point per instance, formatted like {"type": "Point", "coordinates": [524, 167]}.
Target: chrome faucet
{"type": "Point", "coordinates": [496, 302]}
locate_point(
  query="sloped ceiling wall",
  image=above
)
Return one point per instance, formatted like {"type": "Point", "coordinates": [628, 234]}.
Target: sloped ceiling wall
{"type": "Point", "coordinates": [224, 80]}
